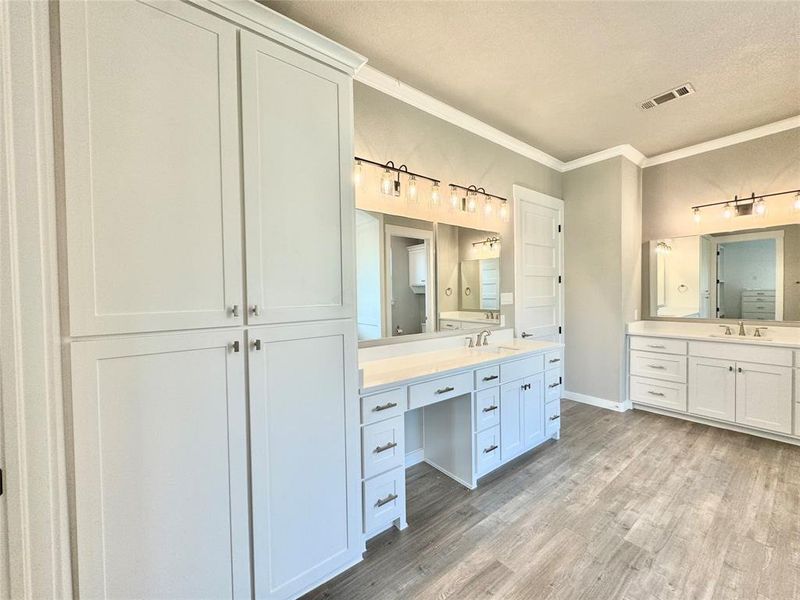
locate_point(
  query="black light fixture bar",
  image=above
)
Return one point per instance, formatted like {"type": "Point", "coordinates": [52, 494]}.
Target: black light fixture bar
{"type": "Point", "coordinates": [478, 190]}
{"type": "Point", "coordinates": [401, 169]}
{"type": "Point", "coordinates": [491, 241]}
{"type": "Point", "coordinates": [752, 198]}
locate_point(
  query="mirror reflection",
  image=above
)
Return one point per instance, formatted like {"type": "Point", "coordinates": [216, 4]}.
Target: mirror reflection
{"type": "Point", "coordinates": [418, 277]}
{"type": "Point", "coordinates": [750, 275]}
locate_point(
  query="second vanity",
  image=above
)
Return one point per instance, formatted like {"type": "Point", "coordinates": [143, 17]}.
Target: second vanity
{"type": "Point", "coordinates": [480, 408]}
{"type": "Point", "coordinates": [700, 372]}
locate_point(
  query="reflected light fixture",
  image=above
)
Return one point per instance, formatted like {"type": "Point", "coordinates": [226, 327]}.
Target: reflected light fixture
{"type": "Point", "coordinates": [455, 200]}
{"type": "Point", "coordinates": [488, 207]}
{"type": "Point", "coordinates": [727, 212]}
{"type": "Point", "coordinates": [435, 195]}
{"type": "Point", "coordinates": [663, 248]}
{"type": "Point", "coordinates": [696, 215]}
{"type": "Point", "coordinates": [412, 194]}
{"type": "Point", "coordinates": [759, 208]}
{"type": "Point", "coordinates": [358, 174]}
{"type": "Point", "coordinates": [796, 204]}
{"type": "Point", "coordinates": [504, 212]}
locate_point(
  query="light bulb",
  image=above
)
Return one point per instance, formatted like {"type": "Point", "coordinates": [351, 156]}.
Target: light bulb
{"type": "Point", "coordinates": [435, 197]}
{"type": "Point", "coordinates": [505, 213]}
{"type": "Point", "coordinates": [696, 215]}
{"type": "Point", "coordinates": [796, 205]}
{"type": "Point", "coordinates": [358, 175]}
{"type": "Point", "coordinates": [387, 182]}
{"type": "Point", "coordinates": [455, 200]}
{"type": "Point", "coordinates": [411, 191]}
{"type": "Point", "coordinates": [727, 212]}
{"type": "Point", "coordinates": [472, 201]}
{"type": "Point", "coordinates": [488, 207]}
{"type": "Point", "coordinates": [759, 208]}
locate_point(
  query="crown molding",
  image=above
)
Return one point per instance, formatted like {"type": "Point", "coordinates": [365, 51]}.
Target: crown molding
{"type": "Point", "coordinates": [374, 78]}
{"type": "Point", "coordinates": [728, 140]}
{"type": "Point", "coordinates": [397, 89]}
{"type": "Point", "coordinates": [625, 150]}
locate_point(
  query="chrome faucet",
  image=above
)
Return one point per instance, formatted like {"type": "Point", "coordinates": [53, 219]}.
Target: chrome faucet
{"type": "Point", "coordinates": [728, 330]}
{"type": "Point", "coordinates": [484, 334]}
{"type": "Point", "coordinates": [741, 329]}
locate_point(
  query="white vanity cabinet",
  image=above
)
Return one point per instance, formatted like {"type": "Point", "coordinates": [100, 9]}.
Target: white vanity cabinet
{"type": "Point", "coordinates": [739, 385]}
{"type": "Point", "coordinates": [417, 267]}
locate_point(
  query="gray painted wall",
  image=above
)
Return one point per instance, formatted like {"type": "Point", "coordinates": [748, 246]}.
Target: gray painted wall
{"type": "Point", "coordinates": [602, 226]}
{"type": "Point", "coordinates": [386, 128]}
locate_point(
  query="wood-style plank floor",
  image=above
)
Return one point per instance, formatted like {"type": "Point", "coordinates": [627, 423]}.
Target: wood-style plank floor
{"type": "Point", "coordinates": [630, 506]}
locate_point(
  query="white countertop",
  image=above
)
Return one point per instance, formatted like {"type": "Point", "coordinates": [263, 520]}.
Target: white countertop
{"type": "Point", "coordinates": [469, 317]}
{"type": "Point", "coordinates": [411, 368]}
{"type": "Point", "coordinates": [780, 336]}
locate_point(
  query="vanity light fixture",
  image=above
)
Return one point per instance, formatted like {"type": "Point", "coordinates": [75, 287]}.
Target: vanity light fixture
{"type": "Point", "coordinates": [490, 241]}
{"type": "Point", "coordinates": [504, 212]}
{"type": "Point", "coordinates": [472, 200]}
{"type": "Point", "coordinates": [470, 203]}
{"type": "Point", "coordinates": [390, 179]}
{"type": "Point", "coordinates": [358, 174]}
{"type": "Point", "coordinates": [435, 195]}
{"type": "Point", "coordinates": [754, 205]}
{"type": "Point", "coordinates": [488, 207]}
{"type": "Point", "coordinates": [455, 198]}
{"type": "Point", "coordinates": [663, 248]}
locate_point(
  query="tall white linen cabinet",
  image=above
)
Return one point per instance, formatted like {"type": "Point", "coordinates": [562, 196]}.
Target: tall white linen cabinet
{"type": "Point", "coordinates": [208, 299]}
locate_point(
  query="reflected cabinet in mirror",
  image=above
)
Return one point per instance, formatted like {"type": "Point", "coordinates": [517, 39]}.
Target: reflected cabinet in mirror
{"type": "Point", "coordinates": [749, 275]}
{"type": "Point", "coordinates": [415, 277]}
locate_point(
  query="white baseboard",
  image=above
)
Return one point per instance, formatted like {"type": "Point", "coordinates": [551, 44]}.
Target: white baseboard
{"type": "Point", "coordinates": [595, 401]}
{"type": "Point", "coordinates": [415, 457]}
{"type": "Point", "coordinates": [451, 475]}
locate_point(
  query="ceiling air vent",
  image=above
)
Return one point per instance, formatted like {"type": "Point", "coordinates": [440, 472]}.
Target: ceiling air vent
{"type": "Point", "coordinates": [678, 92]}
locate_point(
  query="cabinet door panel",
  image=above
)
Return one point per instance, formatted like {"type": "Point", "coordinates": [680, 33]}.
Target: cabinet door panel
{"type": "Point", "coordinates": [304, 454]}
{"type": "Point", "coordinates": [161, 467]}
{"type": "Point", "coordinates": [712, 388]}
{"type": "Point", "coordinates": [533, 411]}
{"type": "Point", "coordinates": [764, 396]}
{"type": "Point", "coordinates": [510, 420]}
{"type": "Point", "coordinates": [297, 116]}
{"type": "Point", "coordinates": [151, 157]}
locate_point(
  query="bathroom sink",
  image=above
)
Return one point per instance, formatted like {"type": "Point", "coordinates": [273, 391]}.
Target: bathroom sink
{"type": "Point", "coordinates": [497, 349]}
{"type": "Point", "coordinates": [740, 338]}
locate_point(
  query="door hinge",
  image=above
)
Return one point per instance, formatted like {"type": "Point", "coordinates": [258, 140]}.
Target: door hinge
{"type": "Point", "coordinates": [559, 329]}
{"type": "Point", "coordinates": [559, 229]}
{"type": "Point", "coordinates": [559, 279]}
{"type": "Point", "coordinates": [1, 482]}
{"type": "Point", "coordinates": [560, 380]}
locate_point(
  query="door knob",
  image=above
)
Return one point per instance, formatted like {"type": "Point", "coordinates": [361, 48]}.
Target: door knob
{"type": "Point", "coordinates": [255, 310]}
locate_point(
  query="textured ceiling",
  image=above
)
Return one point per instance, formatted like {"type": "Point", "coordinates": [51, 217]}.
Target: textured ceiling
{"type": "Point", "coordinates": [567, 77]}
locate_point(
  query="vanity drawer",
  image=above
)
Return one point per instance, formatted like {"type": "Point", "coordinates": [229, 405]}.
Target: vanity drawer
{"type": "Point", "coordinates": [384, 497]}
{"type": "Point", "coordinates": [518, 369]}
{"type": "Point", "coordinates": [552, 385]}
{"type": "Point", "coordinates": [383, 406]}
{"type": "Point", "coordinates": [382, 445]}
{"type": "Point", "coordinates": [755, 353]}
{"type": "Point", "coordinates": [658, 393]}
{"type": "Point", "coordinates": [553, 359]}
{"type": "Point", "coordinates": [443, 388]}
{"type": "Point", "coordinates": [487, 377]}
{"type": "Point", "coordinates": [445, 324]}
{"type": "Point", "coordinates": [767, 306]}
{"type": "Point", "coordinates": [487, 408]}
{"type": "Point", "coordinates": [652, 344]}
{"type": "Point", "coordinates": [487, 450]}
{"type": "Point", "coordinates": [552, 418]}
{"type": "Point", "coordinates": [658, 366]}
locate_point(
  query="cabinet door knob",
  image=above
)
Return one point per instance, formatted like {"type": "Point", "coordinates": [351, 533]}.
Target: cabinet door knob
{"type": "Point", "coordinates": [235, 311]}
{"type": "Point", "coordinates": [730, 368]}
{"type": "Point", "coordinates": [235, 346]}
{"type": "Point", "coordinates": [255, 310]}
{"type": "Point", "coordinates": [386, 447]}
{"type": "Point", "coordinates": [256, 344]}
{"type": "Point", "coordinates": [740, 369]}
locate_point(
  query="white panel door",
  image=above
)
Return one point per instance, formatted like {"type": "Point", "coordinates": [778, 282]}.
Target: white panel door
{"type": "Point", "coordinates": [511, 420]}
{"type": "Point", "coordinates": [304, 430]}
{"type": "Point", "coordinates": [297, 128]}
{"type": "Point", "coordinates": [533, 426]}
{"type": "Point", "coordinates": [539, 265]}
{"type": "Point", "coordinates": [151, 157]}
{"type": "Point", "coordinates": [712, 388]}
{"type": "Point", "coordinates": [764, 396]}
{"type": "Point", "coordinates": [161, 484]}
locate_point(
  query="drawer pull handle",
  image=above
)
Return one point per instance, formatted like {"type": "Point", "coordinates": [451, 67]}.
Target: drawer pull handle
{"type": "Point", "coordinates": [554, 385]}
{"type": "Point", "coordinates": [388, 446]}
{"type": "Point", "coordinates": [491, 448]}
{"type": "Point", "coordinates": [555, 360]}
{"type": "Point", "coordinates": [555, 417]}
{"type": "Point", "coordinates": [662, 367]}
{"type": "Point", "coordinates": [491, 377]}
{"type": "Point", "coordinates": [386, 406]}
{"type": "Point", "coordinates": [656, 346]}
{"type": "Point", "coordinates": [490, 408]}
{"type": "Point", "coordinates": [389, 498]}
{"type": "Point", "coordinates": [444, 390]}
{"type": "Point", "coordinates": [652, 393]}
